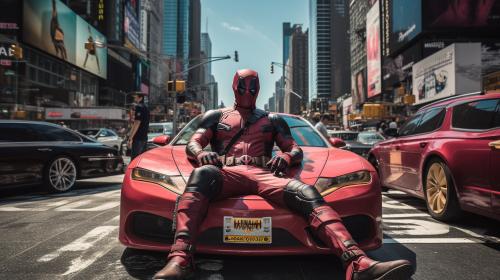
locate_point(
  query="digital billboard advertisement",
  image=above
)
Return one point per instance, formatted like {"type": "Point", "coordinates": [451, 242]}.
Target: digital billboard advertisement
{"type": "Point", "coordinates": [454, 70]}
{"type": "Point", "coordinates": [462, 13]}
{"type": "Point", "coordinates": [131, 26]}
{"type": "Point", "coordinates": [373, 51]}
{"type": "Point", "coordinates": [399, 69]}
{"type": "Point", "coordinates": [406, 22]}
{"type": "Point", "coordinates": [54, 28]}
{"type": "Point", "coordinates": [359, 87]}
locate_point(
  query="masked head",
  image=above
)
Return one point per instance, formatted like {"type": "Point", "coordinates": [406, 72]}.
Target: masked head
{"type": "Point", "coordinates": [246, 88]}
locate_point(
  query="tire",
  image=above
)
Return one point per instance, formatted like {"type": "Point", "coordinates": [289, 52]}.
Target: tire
{"type": "Point", "coordinates": [439, 191]}
{"type": "Point", "coordinates": [60, 175]}
{"type": "Point", "coordinates": [373, 161]}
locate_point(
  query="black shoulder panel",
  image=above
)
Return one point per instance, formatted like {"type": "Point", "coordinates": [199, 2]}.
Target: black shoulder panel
{"type": "Point", "coordinates": [279, 124]}
{"type": "Point", "coordinates": [256, 115]}
{"type": "Point", "coordinates": [210, 119]}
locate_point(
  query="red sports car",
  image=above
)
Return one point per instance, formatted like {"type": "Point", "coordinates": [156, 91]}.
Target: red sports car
{"type": "Point", "coordinates": [448, 153]}
{"type": "Point", "coordinates": [154, 181]}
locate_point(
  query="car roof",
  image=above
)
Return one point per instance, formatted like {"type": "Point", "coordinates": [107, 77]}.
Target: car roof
{"type": "Point", "coordinates": [459, 99]}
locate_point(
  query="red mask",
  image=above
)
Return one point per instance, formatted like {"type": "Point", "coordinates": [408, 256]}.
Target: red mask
{"type": "Point", "coordinates": [246, 88]}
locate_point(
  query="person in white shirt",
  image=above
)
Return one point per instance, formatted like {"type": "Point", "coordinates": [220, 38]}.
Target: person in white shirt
{"type": "Point", "coordinates": [320, 126]}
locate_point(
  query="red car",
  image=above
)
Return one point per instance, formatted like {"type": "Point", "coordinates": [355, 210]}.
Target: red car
{"type": "Point", "coordinates": [448, 153]}
{"type": "Point", "coordinates": [154, 181]}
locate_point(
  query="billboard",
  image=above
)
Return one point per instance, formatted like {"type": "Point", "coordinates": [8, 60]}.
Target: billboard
{"type": "Point", "coordinates": [461, 13]}
{"type": "Point", "coordinates": [454, 70]}
{"type": "Point", "coordinates": [398, 70]}
{"type": "Point", "coordinates": [405, 22]}
{"type": "Point", "coordinates": [373, 51]}
{"type": "Point", "coordinates": [359, 87]}
{"type": "Point", "coordinates": [9, 17]}
{"type": "Point", "coordinates": [131, 25]}
{"type": "Point", "coordinates": [54, 28]}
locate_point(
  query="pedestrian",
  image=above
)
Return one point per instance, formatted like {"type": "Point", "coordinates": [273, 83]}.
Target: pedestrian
{"type": "Point", "coordinates": [138, 136]}
{"type": "Point", "coordinates": [320, 126]}
{"type": "Point", "coordinates": [393, 124]}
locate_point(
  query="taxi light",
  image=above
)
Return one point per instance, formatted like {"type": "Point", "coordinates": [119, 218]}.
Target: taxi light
{"type": "Point", "coordinates": [173, 183]}
{"type": "Point", "coordinates": [328, 185]}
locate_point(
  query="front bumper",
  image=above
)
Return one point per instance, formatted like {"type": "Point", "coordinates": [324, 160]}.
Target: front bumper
{"type": "Point", "coordinates": [147, 209]}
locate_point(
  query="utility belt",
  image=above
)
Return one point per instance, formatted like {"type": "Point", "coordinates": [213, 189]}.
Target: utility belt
{"type": "Point", "coordinates": [244, 160]}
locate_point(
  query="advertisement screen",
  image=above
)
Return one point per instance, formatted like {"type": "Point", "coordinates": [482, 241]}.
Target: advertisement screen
{"type": "Point", "coordinates": [373, 51]}
{"type": "Point", "coordinates": [131, 27]}
{"type": "Point", "coordinates": [406, 22]}
{"type": "Point", "coordinates": [9, 17]}
{"type": "Point", "coordinates": [398, 70]}
{"type": "Point", "coordinates": [54, 28]}
{"type": "Point", "coordinates": [359, 87]}
{"type": "Point", "coordinates": [462, 13]}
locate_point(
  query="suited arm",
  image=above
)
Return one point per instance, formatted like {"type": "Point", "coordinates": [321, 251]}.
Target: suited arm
{"type": "Point", "coordinates": [284, 139]}
{"type": "Point", "coordinates": [206, 130]}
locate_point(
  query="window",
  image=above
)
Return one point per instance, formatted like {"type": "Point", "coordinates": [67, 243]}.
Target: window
{"type": "Point", "coordinates": [476, 115]}
{"type": "Point", "coordinates": [431, 120]}
{"type": "Point", "coordinates": [17, 132]}
{"type": "Point", "coordinates": [409, 127]}
{"type": "Point", "coordinates": [54, 133]}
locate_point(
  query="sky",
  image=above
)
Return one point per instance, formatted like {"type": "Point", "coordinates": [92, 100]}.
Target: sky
{"type": "Point", "coordinates": [255, 29]}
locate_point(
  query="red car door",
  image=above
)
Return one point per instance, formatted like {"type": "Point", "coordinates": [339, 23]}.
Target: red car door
{"type": "Point", "coordinates": [414, 146]}
{"type": "Point", "coordinates": [478, 160]}
{"type": "Point", "coordinates": [400, 155]}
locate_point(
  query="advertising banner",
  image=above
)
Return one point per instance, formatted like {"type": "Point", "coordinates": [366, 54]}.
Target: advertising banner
{"type": "Point", "coordinates": [54, 28]}
{"type": "Point", "coordinates": [359, 87]}
{"type": "Point", "coordinates": [398, 70]}
{"type": "Point", "coordinates": [406, 22]}
{"type": "Point", "coordinates": [373, 51]}
{"type": "Point", "coordinates": [452, 71]}
{"type": "Point", "coordinates": [461, 13]}
{"type": "Point", "coordinates": [131, 27]}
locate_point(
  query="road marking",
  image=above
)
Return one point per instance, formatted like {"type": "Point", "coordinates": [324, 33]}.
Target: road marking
{"type": "Point", "coordinates": [75, 206]}
{"type": "Point", "coordinates": [431, 240]}
{"type": "Point", "coordinates": [392, 204]}
{"type": "Point", "coordinates": [81, 244]}
{"type": "Point", "coordinates": [405, 215]}
{"type": "Point", "coordinates": [414, 227]}
{"type": "Point", "coordinates": [41, 207]}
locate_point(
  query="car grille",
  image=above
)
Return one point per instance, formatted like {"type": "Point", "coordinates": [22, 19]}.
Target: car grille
{"type": "Point", "coordinates": [152, 227]}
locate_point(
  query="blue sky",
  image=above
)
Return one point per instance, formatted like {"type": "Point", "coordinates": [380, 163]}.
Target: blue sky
{"type": "Point", "coordinates": [254, 28]}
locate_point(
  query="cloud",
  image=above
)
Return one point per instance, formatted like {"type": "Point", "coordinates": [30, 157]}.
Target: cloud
{"type": "Point", "coordinates": [231, 27]}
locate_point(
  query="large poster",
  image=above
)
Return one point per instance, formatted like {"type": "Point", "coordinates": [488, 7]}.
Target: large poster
{"type": "Point", "coordinates": [54, 28]}
{"type": "Point", "coordinates": [359, 87]}
{"type": "Point", "coordinates": [406, 17]}
{"type": "Point", "coordinates": [462, 13]}
{"type": "Point", "coordinates": [373, 51]}
{"type": "Point", "coordinates": [454, 70]}
{"type": "Point", "coordinates": [131, 26]}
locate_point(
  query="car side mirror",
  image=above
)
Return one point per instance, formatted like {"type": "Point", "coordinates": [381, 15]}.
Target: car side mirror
{"type": "Point", "coordinates": [391, 132]}
{"type": "Point", "coordinates": [337, 142]}
{"type": "Point", "coordinates": [161, 140]}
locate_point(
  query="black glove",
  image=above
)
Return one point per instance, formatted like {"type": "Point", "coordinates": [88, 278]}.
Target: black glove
{"type": "Point", "coordinates": [279, 163]}
{"type": "Point", "coordinates": [212, 158]}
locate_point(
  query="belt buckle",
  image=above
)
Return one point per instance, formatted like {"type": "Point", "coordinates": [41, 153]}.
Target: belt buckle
{"type": "Point", "coordinates": [246, 159]}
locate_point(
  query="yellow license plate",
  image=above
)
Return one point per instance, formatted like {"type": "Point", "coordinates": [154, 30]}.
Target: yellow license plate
{"type": "Point", "coordinates": [247, 230]}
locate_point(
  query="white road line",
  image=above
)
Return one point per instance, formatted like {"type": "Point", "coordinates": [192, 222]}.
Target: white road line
{"type": "Point", "coordinates": [41, 207]}
{"type": "Point", "coordinates": [405, 215]}
{"type": "Point", "coordinates": [81, 244]}
{"type": "Point", "coordinates": [432, 240]}
{"type": "Point", "coordinates": [75, 206]}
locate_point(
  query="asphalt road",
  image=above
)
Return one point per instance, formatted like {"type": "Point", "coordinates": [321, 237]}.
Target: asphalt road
{"type": "Point", "coordinates": [74, 236]}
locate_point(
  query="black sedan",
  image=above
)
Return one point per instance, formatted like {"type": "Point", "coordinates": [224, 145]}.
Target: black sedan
{"type": "Point", "coordinates": [44, 153]}
{"type": "Point", "coordinates": [357, 142]}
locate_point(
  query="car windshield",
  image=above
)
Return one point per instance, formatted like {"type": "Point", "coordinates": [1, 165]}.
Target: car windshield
{"type": "Point", "coordinates": [160, 128]}
{"type": "Point", "coordinates": [346, 136]}
{"type": "Point", "coordinates": [302, 132]}
{"type": "Point", "coordinates": [89, 132]}
{"type": "Point", "coordinates": [370, 138]}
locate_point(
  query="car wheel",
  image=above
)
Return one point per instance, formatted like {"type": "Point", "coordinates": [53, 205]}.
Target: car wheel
{"type": "Point", "coordinates": [60, 174]}
{"type": "Point", "coordinates": [439, 190]}
{"type": "Point", "coordinates": [374, 162]}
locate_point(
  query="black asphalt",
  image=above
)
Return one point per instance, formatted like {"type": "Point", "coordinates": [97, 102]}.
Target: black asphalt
{"type": "Point", "coordinates": [74, 236]}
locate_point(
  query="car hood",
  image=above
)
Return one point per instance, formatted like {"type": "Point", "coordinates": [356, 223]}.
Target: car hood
{"type": "Point", "coordinates": [356, 144]}
{"type": "Point", "coordinates": [318, 162]}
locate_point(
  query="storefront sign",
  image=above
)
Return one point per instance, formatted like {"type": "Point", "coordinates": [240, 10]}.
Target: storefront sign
{"type": "Point", "coordinates": [84, 113]}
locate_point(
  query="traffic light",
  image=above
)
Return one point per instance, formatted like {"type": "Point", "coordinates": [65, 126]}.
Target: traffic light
{"type": "Point", "coordinates": [18, 51]}
{"type": "Point", "coordinates": [180, 86]}
{"type": "Point", "coordinates": [236, 56]}
{"type": "Point", "coordinates": [272, 68]}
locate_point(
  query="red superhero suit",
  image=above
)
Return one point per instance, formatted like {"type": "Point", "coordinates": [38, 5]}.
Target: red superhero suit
{"type": "Point", "coordinates": [248, 169]}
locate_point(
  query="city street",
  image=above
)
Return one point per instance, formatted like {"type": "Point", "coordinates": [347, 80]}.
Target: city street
{"type": "Point", "coordinates": [74, 236]}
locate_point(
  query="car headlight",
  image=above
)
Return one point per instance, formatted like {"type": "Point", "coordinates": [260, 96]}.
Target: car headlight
{"type": "Point", "coordinates": [328, 185]}
{"type": "Point", "coordinates": [173, 183]}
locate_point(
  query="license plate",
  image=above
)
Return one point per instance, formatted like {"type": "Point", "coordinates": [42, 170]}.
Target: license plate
{"type": "Point", "coordinates": [247, 230]}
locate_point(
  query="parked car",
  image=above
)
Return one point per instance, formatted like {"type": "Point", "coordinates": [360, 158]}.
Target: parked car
{"type": "Point", "coordinates": [448, 153]}
{"type": "Point", "coordinates": [157, 129]}
{"type": "Point", "coordinates": [106, 136]}
{"type": "Point", "coordinates": [358, 142]}
{"type": "Point", "coordinates": [48, 154]}
{"type": "Point", "coordinates": [154, 181]}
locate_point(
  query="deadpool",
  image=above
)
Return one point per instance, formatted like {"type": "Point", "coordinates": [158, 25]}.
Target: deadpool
{"type": "Point", "coordinates": [241, 163]}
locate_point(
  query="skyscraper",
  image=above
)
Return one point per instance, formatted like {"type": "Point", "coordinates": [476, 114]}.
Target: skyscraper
{"type": "Point", "coordinates": [297, 72]}
{"type": "Point", "coordinates": [176, 32]}
{"type": "Point", "coordinates": [329, 49]}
